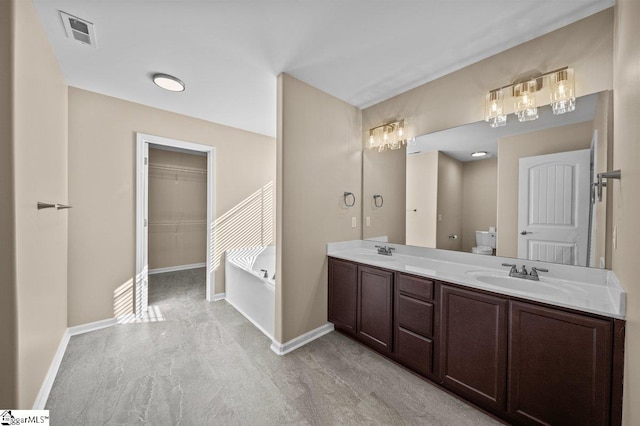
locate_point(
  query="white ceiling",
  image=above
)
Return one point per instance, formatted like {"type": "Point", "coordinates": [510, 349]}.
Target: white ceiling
{"type": "Point", "coordinates": [229, 52]}
{"type": "Point", "coordinates": [460, 142]}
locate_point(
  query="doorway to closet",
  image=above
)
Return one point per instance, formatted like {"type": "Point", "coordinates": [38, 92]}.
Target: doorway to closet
{"type": "Point", "coordinates": [174, 211]}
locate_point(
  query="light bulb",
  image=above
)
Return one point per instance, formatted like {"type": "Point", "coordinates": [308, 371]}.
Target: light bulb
{"type": "Point", "coordinates": [562, 91]}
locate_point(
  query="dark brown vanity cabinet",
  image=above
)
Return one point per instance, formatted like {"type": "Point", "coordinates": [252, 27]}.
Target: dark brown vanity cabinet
{"type": "Point", "coordinates": [526, 362]}
{"type": "Point", "coordinates": [361, 302]}
{"type": "Point", "coordinates": [416, 323]}
{"type": "Point", "coordinates": [473, 342]}
{"type": "Point", "coordinates": [375, 308]}
{"type": "Point", "coordinates": [559, 367]}
{"type": "Point", "coordinates": [343, 295]}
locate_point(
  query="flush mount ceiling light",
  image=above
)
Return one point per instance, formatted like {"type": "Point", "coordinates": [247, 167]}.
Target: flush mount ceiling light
{"type": "Point", "coordinates": [168, 82]}
{"type": "Point", "coordinates": [524, 96]}
{"type": "Point", "coordinates": [479, 154]}
{"type": "Point", "coordinates": [388, 136]}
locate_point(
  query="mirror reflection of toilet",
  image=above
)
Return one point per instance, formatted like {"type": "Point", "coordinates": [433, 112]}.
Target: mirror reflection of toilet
{"type": "Point", "coordinates": [485, 242]}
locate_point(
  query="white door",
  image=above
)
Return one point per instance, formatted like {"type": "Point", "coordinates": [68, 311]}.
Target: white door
{"type": "Point", "coordinates": [142, 257]}
{"type": "Point", "coordinates": [553, 215]}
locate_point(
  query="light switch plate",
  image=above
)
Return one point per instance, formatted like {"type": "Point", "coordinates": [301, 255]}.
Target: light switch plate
{"type": "Point", "coordinates": [368, 221]}
{"type": "Point", "coordinates": [354, 223]}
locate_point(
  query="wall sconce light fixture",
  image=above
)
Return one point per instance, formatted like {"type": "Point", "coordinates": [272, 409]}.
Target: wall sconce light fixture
{"type": "Point", "coordinates": [378, 201]}
{"type": "Point", "coordinates": [494, 109]}
{"type": "Point", "coordinates": [559, 84]}
{"type": "Point", "coordinates": [388, 136]}
{"type": "Point", "coordinates": [525, 105]}
{"type": "Point", "coordinates": [563, 96]}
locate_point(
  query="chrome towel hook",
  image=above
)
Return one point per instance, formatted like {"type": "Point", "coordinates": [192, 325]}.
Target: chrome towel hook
{"type": "Point", "coordinates": [347, 199]}
{"type": "Point", "coordinates": [375, 200]}
{"type": "Point", "coordinates": [597, 186]}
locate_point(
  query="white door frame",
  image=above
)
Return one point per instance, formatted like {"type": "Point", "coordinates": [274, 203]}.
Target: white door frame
{"type": "Point", "coordinates": [142, 142]}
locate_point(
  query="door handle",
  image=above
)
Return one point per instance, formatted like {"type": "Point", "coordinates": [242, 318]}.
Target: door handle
{"type": "Point", "coordinates": [525, 232]}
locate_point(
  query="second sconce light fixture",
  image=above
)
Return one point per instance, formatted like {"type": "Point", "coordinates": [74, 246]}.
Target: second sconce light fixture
{"type": "Point", "coordinates": [559, 83]}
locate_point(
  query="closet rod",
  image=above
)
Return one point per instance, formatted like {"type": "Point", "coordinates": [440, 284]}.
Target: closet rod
{"type": "Point", "coordinates": [179, 222]}
{"type": "Point", "coordinates": [178, 169]}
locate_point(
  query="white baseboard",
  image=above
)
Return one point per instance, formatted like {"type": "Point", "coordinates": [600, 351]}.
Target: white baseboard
{"type": "Point", "coordinates": [92, 326]}
{"type": "Point", "coordinates": [293, 344]}
{"type": "Point", "coordinates": [258, 326]}
{"type": "Point", "coordinates": [219, 296]}
{"type": "Point", "coordinates": [47, 384]}
{"type": "Point", "coordinates": [177, 268]}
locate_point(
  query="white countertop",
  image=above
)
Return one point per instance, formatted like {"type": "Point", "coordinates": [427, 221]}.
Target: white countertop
{"type": "Point", "coordinates": [585, 289]}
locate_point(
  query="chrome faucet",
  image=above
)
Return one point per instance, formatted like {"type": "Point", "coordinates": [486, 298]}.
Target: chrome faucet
{"type": "Point", "coordinates": [533, 276]}
{"type": "Point", "coordinates": [384, 250]}
{"type": "Point", "coordinates": [266, 274]}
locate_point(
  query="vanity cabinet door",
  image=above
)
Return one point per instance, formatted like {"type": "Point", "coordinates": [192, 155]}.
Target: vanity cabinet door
{"type": "Point", "coordinates": [375, 307]}
{"type": "Point", "coordinates": [559, 367]}
{"type": "Point", "coordinates": [473, 342]}
{"type": "Point", "coordinates": [343, 293]}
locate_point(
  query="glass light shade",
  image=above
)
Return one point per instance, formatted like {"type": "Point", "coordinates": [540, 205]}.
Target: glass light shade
{"type": "Point", "coordinates": [525, 100]}
{"type": "Point", "coordinates": [387, 136]}
{"type": "Point", "coordinates": [494, 107]}
{"type": "Point", "coordinates": [563, 97]}
{"type": "Point", "coordinates": [168, 82]}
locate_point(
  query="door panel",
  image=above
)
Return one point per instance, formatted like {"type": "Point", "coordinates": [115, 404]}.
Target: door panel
{"type": "Point", "coordinates": [473, 341]}
{"type": "Point", "coordinates": [554, 199]}
{"type": "Point", "coordinates": [375, 307]}
{"type": "Point", "coordinates": [559, 367]}
{"type": "Point", "coordinates": [343, 291]}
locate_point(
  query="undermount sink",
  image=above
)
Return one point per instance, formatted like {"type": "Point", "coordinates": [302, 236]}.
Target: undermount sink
{"type": "Point", "coordinates": [376, 258]}
{"type": "Point", "coordinates": [518, 284]}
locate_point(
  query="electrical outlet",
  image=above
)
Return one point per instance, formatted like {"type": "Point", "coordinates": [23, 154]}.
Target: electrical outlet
{"type": "Point", "coordinates": [439, 217]}
{"type": "Point", "coordinates": [354, 223]}
{"type": "Point", "coordinates": [368, 221]}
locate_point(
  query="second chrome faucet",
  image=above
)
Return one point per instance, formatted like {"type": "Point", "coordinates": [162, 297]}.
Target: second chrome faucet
{"type": "Point", "coordinates": [533, 275]}
{"type": "Point", "coordinates": [384, 250]}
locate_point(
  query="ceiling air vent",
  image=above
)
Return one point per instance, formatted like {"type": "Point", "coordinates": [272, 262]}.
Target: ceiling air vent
{"type": "Point", "coordinates": [78, 29]}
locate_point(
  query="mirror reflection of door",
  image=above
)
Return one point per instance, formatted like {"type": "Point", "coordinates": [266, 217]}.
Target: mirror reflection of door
{"type": "Point", "coordinates": [434, 201]}
{"type": "Point", "coordinates": [554, 204]}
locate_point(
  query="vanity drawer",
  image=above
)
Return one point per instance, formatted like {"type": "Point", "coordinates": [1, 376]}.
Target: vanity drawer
{"type": "Point", "coordinates": [415, 351]}
{"type": "Point", "coordinates": [418, 287]}
{"type": "Point", "coordinates": [415, 315]}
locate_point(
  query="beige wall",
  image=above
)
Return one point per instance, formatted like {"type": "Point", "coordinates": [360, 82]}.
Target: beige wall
{"type": "Point", "coordinates": [458, 98]}
{"type": "Point", "coordinates": [40, 173]}
{"type": "Point", "coordinates": [319, 158]}
{"type": "Point", "coordinates": [422, 189]}
{"type": "Point", "coordinates": [177, 209]}
{"type": "Point", "coordinates": [626, 157]}
{"type": "Point", "coordinates": [449, 219]}
{"type": "Point", "coordinates": [384, 174]}
{"type": "Point", "coordinates": [102, 134]}
{"type": "Point", "coordinates": [7, 245]}
{"type": "Point", "coordinates": [603, 127]}
{"type": "Point", "coordinates": [510, 150]}
{"type": "Point", "coordinates": [479, 199]}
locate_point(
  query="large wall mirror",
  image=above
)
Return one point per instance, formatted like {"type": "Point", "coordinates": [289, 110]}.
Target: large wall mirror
{"type": "Point", "coordinates": [529, 196]}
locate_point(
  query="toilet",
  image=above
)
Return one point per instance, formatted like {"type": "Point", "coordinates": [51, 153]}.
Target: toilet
{"type": "Point", "coordinates": [486, 242]}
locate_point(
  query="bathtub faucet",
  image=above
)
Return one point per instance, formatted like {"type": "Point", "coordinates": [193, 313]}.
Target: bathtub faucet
{"type": "Point", "coordinates": [266, 274]}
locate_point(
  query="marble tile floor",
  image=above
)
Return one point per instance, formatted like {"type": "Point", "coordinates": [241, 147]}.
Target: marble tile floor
{"type": "Point", "coordinates": [205, 364]}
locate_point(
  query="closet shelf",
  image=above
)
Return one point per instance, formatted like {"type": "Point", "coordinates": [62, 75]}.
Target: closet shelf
{"type": "Point", "coordinates": [178, 169]}
{"type": "Point", "coordinates": [177, 222]}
